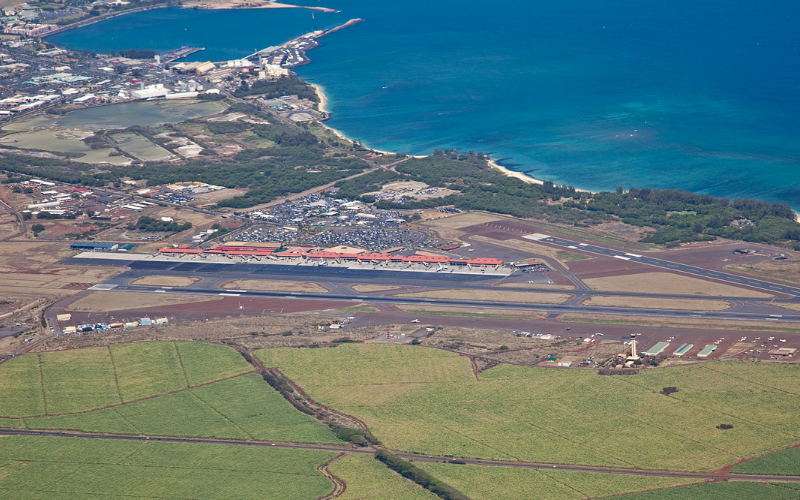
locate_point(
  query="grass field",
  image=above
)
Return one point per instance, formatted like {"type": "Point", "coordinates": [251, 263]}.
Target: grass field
{"type": "Point", "coordinates": [657, 303]}
{"type": "Point", "coordinates": [65, 468]}
{"type": "Point", "coordinates": [668, 284]}
{"type": "Point", "coordinates": [275, 286]}
{"type": "Point", "coordinates": [158, 280]}
{"type": "Point", "coordinates": [373, 288]}
{"type": "Point", "coordinates": [721, 491]}
{"type": "Point", "coordinates": [489, 483]}
{"type": "Point", "coordinates": [86, 379]}
{"type": "Point", "coordinates": [492, 295]}
{"type": "Point", "coordinates": [785, 463]}
{"type": "Point", "coordinates": [239, 408]}
{"type": "Point", "coordinates": [367, 478]}
{"type": "Point", "coordinates": [117, 301]}
{"type": "Point", "coordinates": [531, 247]}
{"type": "Point", "coordinates": [429, 401]}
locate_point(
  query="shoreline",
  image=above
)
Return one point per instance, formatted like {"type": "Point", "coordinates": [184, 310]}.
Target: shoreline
{"type": "Point", "coordinates": [197, 5]}
{"type": "Point", "coordinates": [527, 179]}
{"type": "Point", "coordinates": [323, 107]}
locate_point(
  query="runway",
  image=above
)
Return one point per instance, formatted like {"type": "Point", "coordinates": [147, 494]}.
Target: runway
{"type": "Point", "coordinates": [665, 264]}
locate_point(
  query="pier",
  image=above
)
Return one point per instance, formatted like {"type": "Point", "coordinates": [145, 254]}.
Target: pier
{"type": "Point", "coordinates": [293, 53]}
{"type": "Point", "coordinates": [180, 53]}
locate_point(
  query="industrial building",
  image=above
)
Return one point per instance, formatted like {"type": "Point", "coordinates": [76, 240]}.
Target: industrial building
{"type": "Point", "coordinates": [94, 246]}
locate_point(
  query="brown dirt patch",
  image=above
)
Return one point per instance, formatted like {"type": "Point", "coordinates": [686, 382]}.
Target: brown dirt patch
{"type": "Point", "coordinates": [214, 197]}
{"type": "Point", "coordinates": [461, 221]}
{"type": "Point", "coordinates": [120, 301]}
{"type": "Point", "coordinates": [669, 284]}
{"type": "Point", "coordinates": [657, 303]}
{"type": "Point", "coordinates": [696, 323]}
{"type": "Point", "coordinates": [275, 286]}
{"type": "Point", "coordinates": [781, 270]}
{"type": "Point", "coordinates": [535, 249]}
{"type": "Point", "coordinates": [157, 280]}
{"type": "Point", "coordinates": [493, 295]}
{"type": "Point", "coordinates": [785, 305]}
{"type": "Point", "coordinates": [252, 333]}
{"type": "Point", "coordinates": [471, 312]}
{"type": "Point", "coordinates": [542, 286]}
{"type": "Point", "coordinates": [490, 347]}
{"type": "Point", "coordinates": [374, 288]}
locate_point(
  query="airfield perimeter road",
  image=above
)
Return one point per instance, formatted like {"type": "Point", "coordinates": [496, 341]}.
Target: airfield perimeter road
{"type": "Point", "coordinates": [411, 456]}
{"type": "Point", "coordinates": [665, 264]}
{"type": "Point", "coordinates": [217, 273]}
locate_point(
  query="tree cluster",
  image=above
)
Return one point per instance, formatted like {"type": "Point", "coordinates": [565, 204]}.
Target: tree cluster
{"type": "Point", "coordinates": [419, 476]}
{"type": "Point", "coordinates": [285, 85]}
{"type": "Point", "coordinates": [151, 225]}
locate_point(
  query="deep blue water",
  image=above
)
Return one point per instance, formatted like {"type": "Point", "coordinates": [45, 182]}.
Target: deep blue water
{"type": "Point", "coordinates": [692, 95]}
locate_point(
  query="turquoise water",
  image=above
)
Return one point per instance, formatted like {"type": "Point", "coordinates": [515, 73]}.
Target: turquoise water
{"type": "Point", "coordinates": [691, 95]}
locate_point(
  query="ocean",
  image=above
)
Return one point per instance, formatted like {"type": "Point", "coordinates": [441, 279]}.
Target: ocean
{"type": "Point", "coordinates": [701, 96]}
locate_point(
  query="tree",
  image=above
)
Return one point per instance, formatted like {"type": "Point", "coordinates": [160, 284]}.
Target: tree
{"type": "Point", "coordinates": [37, 228]}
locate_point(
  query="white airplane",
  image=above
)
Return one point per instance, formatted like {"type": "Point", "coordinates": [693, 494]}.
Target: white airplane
{"type": "Point", "coordinates": [415, 321]}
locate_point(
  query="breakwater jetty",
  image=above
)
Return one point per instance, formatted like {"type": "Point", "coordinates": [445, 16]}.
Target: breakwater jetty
{"type": "Point", "coordinates": [293, 53]}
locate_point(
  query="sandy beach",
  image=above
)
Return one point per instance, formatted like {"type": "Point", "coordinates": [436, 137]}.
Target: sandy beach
{"type": "Point", "coordinates": [248, 4]}
{"type": "Point", "coordinates": [517, 175]}
{"type": "Point", "coordinates": [323, 107]}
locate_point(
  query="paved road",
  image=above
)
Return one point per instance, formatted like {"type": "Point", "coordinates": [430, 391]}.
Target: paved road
{"type": "Point", "coordinates": [408, 456]}
{"type": "Point", "coordinates": [665, 264]}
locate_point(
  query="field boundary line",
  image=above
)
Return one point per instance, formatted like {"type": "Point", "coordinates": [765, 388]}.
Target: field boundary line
{"type": "Point", "coordinates": [578, 444]}
{"type": "Point", "coordinates": [710, 480]}
{"type": "Point", "coordinates": [714, 410]}
{"type": "Point", "coordinates": [480, 443]}
{"type": "Point", "coordinates": [339, 486]}
{"type": "Point", "coordinates": [123, 417]}
{"type": "Point", "coordinates": [116, 377]}
{"type": "Point", "coordinates": [224, 417]}
{"type": "Point", "coordinates": [116, 405]}
{"type": "Point", "coordinates": [134, 452]}
{"type": "Point", "coordinates": [41, 381]}
{"type": "Point", "coordinates": [699, 476]}
{"type": "Point", "coordinates": [180, 363]}
{"type": "Point", "coordinates": [749, 381]}
{"type": "Point", "coordinates": [581, 493]}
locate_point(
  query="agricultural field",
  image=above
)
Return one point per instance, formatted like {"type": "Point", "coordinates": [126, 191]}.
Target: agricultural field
{"type": "Point", "coordinates": [152, 388]}
{"type": "Point", "coordinates": [721, 491]}
{"type": "Point", "coordinates": [86, 379]}
{"type": "Point", "coordinates": [367, 478]}
{"type": "Point", "coordinates": [488, 483]}
{"type": "Point", "coordinates": [784, 463]}
{"type": "Point", "coordinates": [33, 467]}
{"type": "Point", "coordinates": [429, 401]}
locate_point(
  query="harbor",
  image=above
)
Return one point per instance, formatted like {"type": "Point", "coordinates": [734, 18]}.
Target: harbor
{"type": "Point", "coordinates": [293, 53]}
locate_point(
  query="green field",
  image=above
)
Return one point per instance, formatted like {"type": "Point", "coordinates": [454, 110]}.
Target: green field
{"type": "Point", "coordinates": [429, 401]}
{"type": "Point", "coordinates": [367, 478]}
{"type": "Point", "coordinates": [721, 491]}
{"type": "Point", "coordinates": [131, 389]}
{"type": "Point", "coordinates": [784, 463]}
{"type": "Point", "coordinates": [67, 468]}
{"type": "Point", "coordinates": [488, 483]}
{"type": "Point", "coordinates": [244, 407]}
{"type": "Point", "coordinates": [63, 382]}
